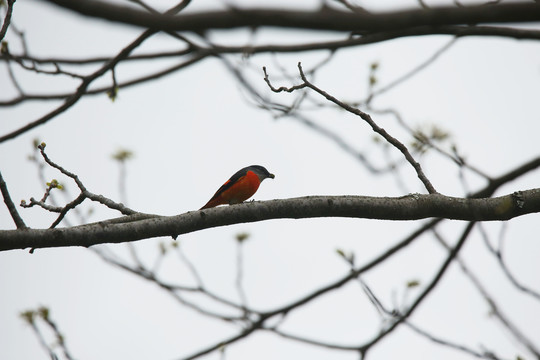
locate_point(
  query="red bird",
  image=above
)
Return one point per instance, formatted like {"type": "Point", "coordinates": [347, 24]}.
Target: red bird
{"type": "Point", "coordinates": [240, 187]}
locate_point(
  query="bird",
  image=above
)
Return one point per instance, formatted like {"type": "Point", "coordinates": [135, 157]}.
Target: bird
{"type": "Point", "coordinates": [240, 187]}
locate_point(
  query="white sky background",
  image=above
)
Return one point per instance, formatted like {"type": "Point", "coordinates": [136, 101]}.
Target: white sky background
{"type": "Point", "coordinates": [191, 130]}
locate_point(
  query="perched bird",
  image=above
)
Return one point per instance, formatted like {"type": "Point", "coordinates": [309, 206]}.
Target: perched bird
{"type": "Point", "coordinates": [241, 186]}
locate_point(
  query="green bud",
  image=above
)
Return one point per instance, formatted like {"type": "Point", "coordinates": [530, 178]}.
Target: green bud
{"type": "Point", "coordinates": [28, 316]}
{"type": "Point", "coordinates": [242, 236]}
{"type": "Point", "coordinates": [43, 312]}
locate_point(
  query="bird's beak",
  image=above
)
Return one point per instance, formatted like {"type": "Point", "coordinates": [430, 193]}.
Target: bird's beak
{"type": "Point", "coordinates": [271, 176]}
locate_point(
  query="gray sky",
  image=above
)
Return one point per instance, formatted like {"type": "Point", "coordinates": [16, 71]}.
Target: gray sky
{"type": "Point", "coordinates": [191, 130]}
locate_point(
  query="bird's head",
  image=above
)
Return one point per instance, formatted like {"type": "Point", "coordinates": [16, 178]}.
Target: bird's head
{"type": "Point", "coordinates": [261, 172]}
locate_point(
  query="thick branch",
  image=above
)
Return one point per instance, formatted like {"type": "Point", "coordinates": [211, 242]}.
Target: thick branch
{"type": "Point", "coordinates": [410, 207]}
{"type": "Point", "coordinates": [324, 19]}
{"type": "Point", "coordinates": [458, 31]}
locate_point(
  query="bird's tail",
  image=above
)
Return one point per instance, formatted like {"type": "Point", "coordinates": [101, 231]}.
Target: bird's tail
{"type": "Point", "coordinates": [210, 204]}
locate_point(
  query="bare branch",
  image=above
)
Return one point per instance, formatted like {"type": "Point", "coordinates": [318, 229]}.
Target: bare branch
{"type": "Point", "coordinates": [142, 226]}
{"type": "Point", "coordinates": [458, 31]}
{"type": "Point", "coordinates": [323, 19]}
{"type": "Point", "coordinates": [202, 53]}
{"type": "Point", "coordinates": [410, 207]}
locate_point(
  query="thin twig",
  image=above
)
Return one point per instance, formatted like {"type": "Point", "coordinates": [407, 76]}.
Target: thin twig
{"type": "Point", "coordinates": [481, 355]}
{"type": "Point", "coordinates": [240, 273]}
{"type": "Point", "coordinates": [433, 283]}
{"type": "Point", "coordinates": [99, 198]}
{"type": "Point", "coordinates": [175, 290]}
{"type": "Point", "coordinates": [104, 89]}
{"type": "Point", "coordinates": [19, 222]}
{"type": "Point", "coordinates": [412, 72]}
{"type": "Point", "coordinates": [7, 19]}
{"type": "Point", "coordinates": [14, 80]}
{"type": "Point", "coordinates": [498, 254]}
{"type": "Point", "coordinates": [84, 194]}
{"type": "Point", "coordinates": [454, 157]}
{"type": "Point", "coordinates": [192, 269]}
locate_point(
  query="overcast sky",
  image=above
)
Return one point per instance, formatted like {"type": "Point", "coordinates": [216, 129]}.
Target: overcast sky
{"type": "Point", "coordinates": [193, 129]}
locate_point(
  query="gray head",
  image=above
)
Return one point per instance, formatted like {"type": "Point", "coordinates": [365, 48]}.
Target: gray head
{"type": "Point", "coordinates": [261, 172]}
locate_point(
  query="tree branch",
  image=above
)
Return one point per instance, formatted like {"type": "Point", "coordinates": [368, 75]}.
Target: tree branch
{"type": "Point", "coordinates": [326, 18]}
{"type": "Point", "coordinates": [103, 89]}
{"type": "Point", "coordinates": [202, 53]}
{"type": "Point", "coordinates": [458, 31]}
{"type": "Point", "coordinates": [410, 207]}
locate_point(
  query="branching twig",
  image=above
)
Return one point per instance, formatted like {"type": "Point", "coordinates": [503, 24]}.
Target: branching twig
{"type": "Point", "coordinates": [366, 117]}
{"type": "Point", "coordinates": [57, 70]}
{"type": "Point", "coordinates": [176, 291]}
{"type": "Point", "coordinates": [85, 83]}
{"type": "Point", "coordinates": [497, 253]}
{"type": "Point", "coordinates": [31, 316]}
{"type": "Point", "coordinates": [454, 157]}
{"type": "Point", "coordinates": [84, 194]}
{"type": "Point", "coordinates": [433, 283]}
{"type": "Point", "coordinates": [324, 18]}
{"type": "Point", "coordinates": [104, 89]}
